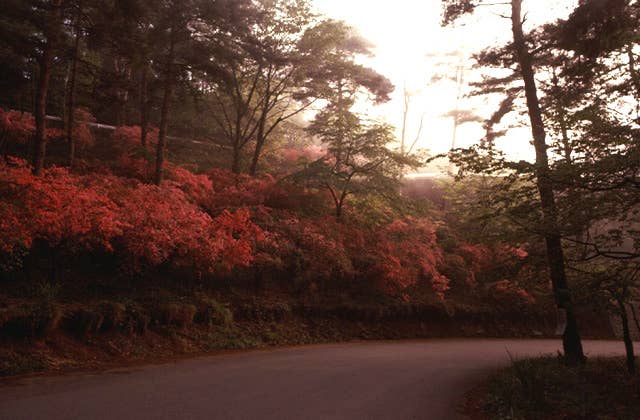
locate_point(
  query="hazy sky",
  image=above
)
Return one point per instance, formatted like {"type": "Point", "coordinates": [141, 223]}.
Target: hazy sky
{"type": "Point", "coordinates": [411, 48]}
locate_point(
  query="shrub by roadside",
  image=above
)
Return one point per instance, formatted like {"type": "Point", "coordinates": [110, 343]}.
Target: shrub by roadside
{"type": "Point", "coordinates": [545, 388]}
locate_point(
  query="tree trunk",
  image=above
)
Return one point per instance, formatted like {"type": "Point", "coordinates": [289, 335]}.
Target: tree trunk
{"type": "Point", "coordinates": [626, 335]}
{"type": "Point", "coordinates": [635, 76]}
{"type": "Point", "coordinates": [571, 341]}
{"type": "Point", "coordinates": [340, 204]}
{"type": "Point", "coordinates": [235, 163]}
{"type": "Point", "coordinates": [405, 114]}
{"type": "Point", "coordinates": [144, 105]}
{"type": "Point", "coordinates": [45, 67]}
{"type": "Point", "coordinates": [260, 140]}
{"type": "Point", "coordinates": [261, 136]}
{"type": "Point", "coordinates": [72, 89]}
{"type": "Point", "coordinates": [164, 113]}
{"type": "Point", "coordinates": [635, 316]}
{"type": "Point", "coordinates": [253, 170]}
{"type": "Point", "coordinates": [4, 146]}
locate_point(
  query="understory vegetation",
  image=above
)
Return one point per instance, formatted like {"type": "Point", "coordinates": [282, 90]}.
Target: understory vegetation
{"type": "Point", "coordinates": [546, 388]}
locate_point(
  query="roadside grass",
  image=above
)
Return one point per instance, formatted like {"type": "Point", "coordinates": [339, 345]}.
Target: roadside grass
{"type": "Point", "coordinates": [545, 388]}
{"type": "Point", "coordinates": [18, 364]}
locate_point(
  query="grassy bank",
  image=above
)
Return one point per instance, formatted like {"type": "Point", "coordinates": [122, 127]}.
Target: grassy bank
{"type": "Point", "coordinates": [53, 336]}
{"type": "Point", "coordinates": [544, 388]}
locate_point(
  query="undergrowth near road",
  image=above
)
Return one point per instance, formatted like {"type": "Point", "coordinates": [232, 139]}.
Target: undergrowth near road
{"type": "Point", "coordinates": [545, 388]}
{"type": "Point", "coordinates": [53, 336]}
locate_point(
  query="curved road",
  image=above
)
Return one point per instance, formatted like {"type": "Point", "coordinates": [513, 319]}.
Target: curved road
{"type": "Point", "coordinates": [373, 380]}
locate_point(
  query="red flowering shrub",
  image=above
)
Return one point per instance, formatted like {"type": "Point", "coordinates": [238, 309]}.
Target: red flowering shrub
{"type": "Point", "coordinates": [479, 257]}
{"type": "Point", "coordinates": [491, 266]}
{"type": "Point", "coordinates": [293, 155]}
{"type": "Point", "coordinates": [235, 237]}
{"type": "Point", "coordinates": [126, 139]}
{"type": "Point", "coordinates": [55, 208]}
{"type": "Point", "coordinates": [198, 188]}
{"type": "Point", "coordinates": [163, 225]}
{"type": "Point", "coordinates": [17, 126]}
{"type": "Point", "coordinates": [16, 233]}
{"type": "Point", "coordinates": [133, 160]}
{"type": "Point", "coordinates": [138, 222]}
{"type": "Point", "coordinates": [321, 251]}
{"type": "Point", "coordinates": [133, 167]}
{"type": "Point", "coordinates": [509, 293]}
{"type": "Point", "coordinates": [81, 133]}
{"type": "Point", "coordinates": [233, 190]}
{"type": "Point", "coordinates": [311, 252]}
{"type": "Point", "coordinates": [406, 251]}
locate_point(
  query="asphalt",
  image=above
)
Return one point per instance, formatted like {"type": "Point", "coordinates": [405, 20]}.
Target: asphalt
{"type": "Point", "coordinates": [370, 380]}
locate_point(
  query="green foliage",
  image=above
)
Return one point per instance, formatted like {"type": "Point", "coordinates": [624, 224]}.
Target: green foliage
{"type": "Point", "coordinates": [359, 161]}
{"type": "Point", "coordinates": [211, 312]}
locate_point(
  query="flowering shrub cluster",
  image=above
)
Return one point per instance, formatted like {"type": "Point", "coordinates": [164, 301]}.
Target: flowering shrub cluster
{"type": "Point", "coordinates": [216, 221]}
{"type": "Point", "coordinates": [405, 252]}
{"type": "Point", "coordinates": [18, 127]}
{"type": "Point", "coordinates": [140, 223]}
{"type": "Point", "coordinates": [81, 132]}
{"type": "Point", "coordinates": [489, 268]}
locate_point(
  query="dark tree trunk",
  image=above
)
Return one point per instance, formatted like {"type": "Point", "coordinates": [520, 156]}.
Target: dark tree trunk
{"type": "Point", "coordinates": [635, 75]}
{"type": "Point", "coordinates": [4, 146]}
{"type": "Point", "coordinates": [260, 139]}
{"type": "Point", "coordinates": [340, 203]}
{"type": "Point", "coordinates": [571, 341]}
{"type": "Point", "coordinates": [72, 88]}
{"type": "Point", "coordinates": [635, 316]}
{"type": "Point", "coordinates": [626, 336]}
{"type": "Point", "coordinates": [39, 140]}
{"type": "Point", "coordinates": [261, 135]}
{"type": "Point", "coordinates": [164, 113]}
{"type": "Point", "coordinates": [338, 211]}
{"type": "Point", "coordinates": [144, 104]}
{"type": "Point", "coordinates": [45, 67]}
{"type": "Point", "coordinates": [235, 163]}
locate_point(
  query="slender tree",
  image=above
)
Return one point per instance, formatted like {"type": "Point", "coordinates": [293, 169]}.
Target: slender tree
{"type": "Point", "coordinates": [572, 343]}
{"type": "Point", "coordinates": [73, 80]}
{"type": "Point", "coordinates": [359, 161]}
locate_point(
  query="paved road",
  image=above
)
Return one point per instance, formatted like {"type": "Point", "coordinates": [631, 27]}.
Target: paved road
{"type": "Point", "coordinates": [375, 380]}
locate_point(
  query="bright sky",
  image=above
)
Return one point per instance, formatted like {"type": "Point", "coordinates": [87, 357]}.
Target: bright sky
{"type": "Point", "coordinates": [412, 49]}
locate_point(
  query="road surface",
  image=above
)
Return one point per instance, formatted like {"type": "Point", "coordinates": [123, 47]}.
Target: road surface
{"type": "Point", "coordinates": [372, 380]}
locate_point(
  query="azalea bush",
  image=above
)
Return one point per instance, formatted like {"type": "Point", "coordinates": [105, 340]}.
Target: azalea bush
{"type": "Point", "coordinates": [143, 225]}
{"type": "Point", "coordinates": [215, 222]}
{"type": "Point", "coordinates": [17, 128]}
{"type": "Point", "coordinates": [406, 252]}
